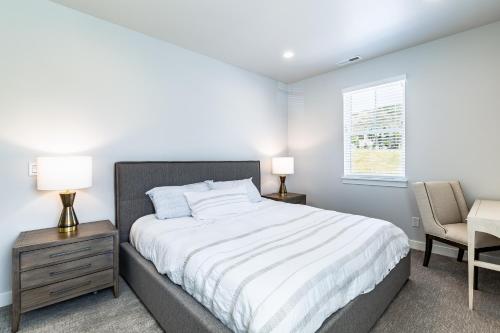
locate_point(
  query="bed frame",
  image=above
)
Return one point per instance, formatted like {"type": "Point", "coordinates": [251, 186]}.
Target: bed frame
{"type": "Point", "coordinates": [173, 308]}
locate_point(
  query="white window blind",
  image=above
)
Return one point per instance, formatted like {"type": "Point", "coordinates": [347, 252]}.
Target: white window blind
{"type": "Point", "coordinates": [374, 130]}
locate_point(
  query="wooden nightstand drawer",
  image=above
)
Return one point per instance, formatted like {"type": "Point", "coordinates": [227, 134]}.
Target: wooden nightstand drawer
{"type": "Point", "coordinates": [56, 292]}
{"type": "Point", "coordinates": [61, 253]}
{"type": "Point", "coordinates": [293, 198]}
{"type": "Point", "coordinates": [296, 200]}
{"type": "Point", "coordinates": [55, 273]}
{"type": "Point", "coordinates": [50, 267]}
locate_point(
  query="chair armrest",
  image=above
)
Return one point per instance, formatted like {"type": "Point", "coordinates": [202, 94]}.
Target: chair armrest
{"type": "Point", "coordinates": [429, 221]}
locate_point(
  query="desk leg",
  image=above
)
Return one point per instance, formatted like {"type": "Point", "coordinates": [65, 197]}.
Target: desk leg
{"type": "Point", "coordinates": [471, 256]}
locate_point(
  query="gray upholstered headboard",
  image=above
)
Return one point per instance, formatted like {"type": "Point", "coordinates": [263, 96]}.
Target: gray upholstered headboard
{"type": "Point", "coordinates": [134, 179]}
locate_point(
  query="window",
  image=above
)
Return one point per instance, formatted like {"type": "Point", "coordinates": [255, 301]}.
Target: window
{"type": "Point", "coordinates": [374, 133]}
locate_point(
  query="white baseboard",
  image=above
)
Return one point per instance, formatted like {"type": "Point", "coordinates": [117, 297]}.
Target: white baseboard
{"type": "Point", "coordinates": [436, 248]}
{"type": "Point", "coordinates": [5, 298]}
{"type": "Point", "coordinates": [449, 251]}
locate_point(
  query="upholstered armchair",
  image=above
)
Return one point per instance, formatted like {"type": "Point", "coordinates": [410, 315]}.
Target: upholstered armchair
{"type": "Point", "coordinates": [443, 211]}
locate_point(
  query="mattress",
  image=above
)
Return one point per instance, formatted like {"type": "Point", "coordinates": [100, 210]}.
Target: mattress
{"type": "Point", "coordinates": [278, 268]}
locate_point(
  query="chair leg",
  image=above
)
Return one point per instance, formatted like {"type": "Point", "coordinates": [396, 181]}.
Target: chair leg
{"type": "Point", "coordinates": [460, 255]}
{"type": "Point", "coordinates": [428, 250]}
{"type": "Point", "coordinates": [476, 270]}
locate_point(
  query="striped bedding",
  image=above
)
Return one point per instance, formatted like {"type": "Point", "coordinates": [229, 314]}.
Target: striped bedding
{"type": "Point", "coordinates": [278, 268]}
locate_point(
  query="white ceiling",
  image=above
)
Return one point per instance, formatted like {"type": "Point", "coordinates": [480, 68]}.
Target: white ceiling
{"type": "Point", "coordinates": [253, 34]}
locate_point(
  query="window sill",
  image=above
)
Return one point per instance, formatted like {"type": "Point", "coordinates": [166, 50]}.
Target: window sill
{"type": "Point", "coordinates": [375, 181]}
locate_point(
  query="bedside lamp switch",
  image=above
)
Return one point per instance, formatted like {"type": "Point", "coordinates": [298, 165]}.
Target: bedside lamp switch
{"type": "Point", "coordinates": [32, 170]}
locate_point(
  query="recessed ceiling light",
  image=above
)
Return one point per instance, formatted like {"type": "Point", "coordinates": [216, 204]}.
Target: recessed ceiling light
{"type": "Point", "coordinates": [288, 54]}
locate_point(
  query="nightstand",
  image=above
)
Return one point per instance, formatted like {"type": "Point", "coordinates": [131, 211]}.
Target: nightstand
{"type": "Point", "coordinates": [295, 198]}
{"type": "Point", "coordinates": [49, 267]}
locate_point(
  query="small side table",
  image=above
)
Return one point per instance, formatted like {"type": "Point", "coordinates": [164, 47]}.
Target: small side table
{"type": "Point", "coordinates": [294, 198]}
{"type": "Point", "coordinates": [49, 267]}
{"type": "Point", "coordinates": [484, 216]}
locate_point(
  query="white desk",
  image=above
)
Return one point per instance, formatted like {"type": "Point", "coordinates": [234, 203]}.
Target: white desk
{"type": "Point", "coordinates": [484, 216]}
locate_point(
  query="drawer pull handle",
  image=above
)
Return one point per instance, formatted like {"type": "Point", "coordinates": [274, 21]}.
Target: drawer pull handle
{"type": "Point", "coordinates": [65, 290]}
{"type": "Point", "coordinates": [60, 254]}
{"type": "Point", "coordinates": [70, 270]}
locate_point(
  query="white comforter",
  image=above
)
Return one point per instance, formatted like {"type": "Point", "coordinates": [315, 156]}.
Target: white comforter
{"type": "Point", "coordinates": [279, 268]}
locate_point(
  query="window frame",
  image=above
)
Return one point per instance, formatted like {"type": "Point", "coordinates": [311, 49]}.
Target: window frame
{"type": "Point", "coordinates": [374, 180]}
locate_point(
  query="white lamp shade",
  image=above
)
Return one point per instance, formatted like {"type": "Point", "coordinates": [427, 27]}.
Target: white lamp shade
{"type": "Point", "coordinates": [64, 173]}
{"type": "Point", "coordinates": [282, 165]}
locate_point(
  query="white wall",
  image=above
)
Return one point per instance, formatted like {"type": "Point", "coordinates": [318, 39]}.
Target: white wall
{"type": "Point", "coordinates": [452, 126]}
{"type": "Point", "coordinates": [70, 83]}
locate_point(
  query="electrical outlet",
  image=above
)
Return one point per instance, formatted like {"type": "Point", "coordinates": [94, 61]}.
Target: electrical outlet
{"type": "Point", "coordinates": [415, 222]}
{"type": "Point", "coordinates": [32, 171]}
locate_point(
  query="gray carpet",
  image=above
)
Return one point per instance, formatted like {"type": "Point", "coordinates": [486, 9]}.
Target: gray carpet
{"type": "Point", "coordinates": [434, 300]}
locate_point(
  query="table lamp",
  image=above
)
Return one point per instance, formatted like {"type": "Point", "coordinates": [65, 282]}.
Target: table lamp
{"type": "Point", "coordinates": [282, 166]}
{"type": "Point", "coordinates": [65, 173]}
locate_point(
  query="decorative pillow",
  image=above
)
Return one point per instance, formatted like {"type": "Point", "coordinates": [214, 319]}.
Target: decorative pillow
{"type": "Point", "coordinates": [217, 204]}
{"type": "Point", "coordinates": [169, 201]}
{"type": "Point", "coordinates": [252, 191]}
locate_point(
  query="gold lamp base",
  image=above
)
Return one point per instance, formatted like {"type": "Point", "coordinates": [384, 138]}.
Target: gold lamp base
{"type": "Point", "coordinates": [282, 190]}
{"type": "Point", "coordinates": [68, 221]}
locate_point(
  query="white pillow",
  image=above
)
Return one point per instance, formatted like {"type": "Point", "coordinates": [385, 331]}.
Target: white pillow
{"type": "Point", "coordinates": [252, 191]}
{"type": "Point", "coordinates": [217, 204]}
{"type": "Point", "coordinates": [169, 201]}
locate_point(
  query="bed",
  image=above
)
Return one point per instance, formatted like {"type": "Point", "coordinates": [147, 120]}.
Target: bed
{"type": "Point", "coordinates": [175, 309]}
